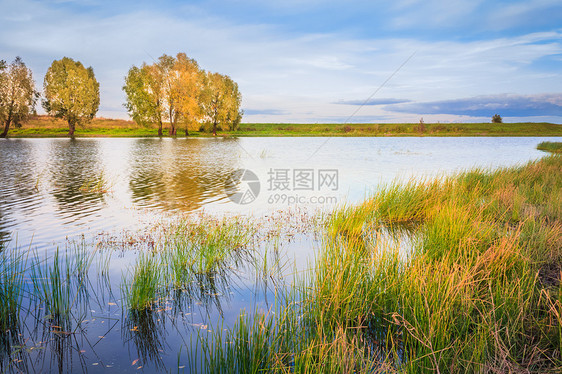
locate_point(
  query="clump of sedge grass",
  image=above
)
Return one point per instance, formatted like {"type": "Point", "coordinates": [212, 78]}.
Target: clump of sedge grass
{"type": "Point", "coordinates": [61, 284]}
{"type": "Point", "coordinates": [141, 292]}
{"type": "Point", "coordinates": [191, 257]}
{"type": "Point", "coordinates": [12, 269]}
{"type": "Point", "coordinates": [555, 147]}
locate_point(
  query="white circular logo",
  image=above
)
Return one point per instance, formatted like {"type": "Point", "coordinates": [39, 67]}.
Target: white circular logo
{"type": "Point", "coordinates": [242, 186]}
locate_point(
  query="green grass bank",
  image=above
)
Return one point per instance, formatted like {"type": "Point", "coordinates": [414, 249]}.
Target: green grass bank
{"type": "Point", "coordinates": [45, 126]}
{"type": "Point", "coordinates": [553, 147]}
{"type": "Point", "coordinates": [453, 275]}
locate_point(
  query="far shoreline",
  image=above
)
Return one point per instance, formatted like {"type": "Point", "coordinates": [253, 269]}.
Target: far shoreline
{"type": "Point", "coordinates": [50, 127]}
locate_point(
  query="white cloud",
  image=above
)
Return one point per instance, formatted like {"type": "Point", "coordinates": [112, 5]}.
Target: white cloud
{"type": "Point", "coordinates": [293, 77]}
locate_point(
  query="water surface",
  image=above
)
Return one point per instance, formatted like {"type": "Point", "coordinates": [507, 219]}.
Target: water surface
{"type": "Point", "coordinates": [44, 199]}
{"type": "Point", "coordinates": [106, 195]}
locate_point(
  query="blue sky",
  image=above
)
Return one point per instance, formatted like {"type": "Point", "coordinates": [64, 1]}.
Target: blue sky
{"type": "Point", "coordinates": [317, 61]}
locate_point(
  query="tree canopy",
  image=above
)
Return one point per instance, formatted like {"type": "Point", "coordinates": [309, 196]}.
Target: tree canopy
{"type": "Point", "coordinates": [177, 90]}
{"type": "Point", "coordinates": [143, 87]}
{"type": "Point", "coordinates": [71, 92]}
{"type": "Point", "coordinates": [221, 102]}
{"type": "Point", "coordinates": [496, 118]}
{"type": "Point", "coordinates": [17, 94]}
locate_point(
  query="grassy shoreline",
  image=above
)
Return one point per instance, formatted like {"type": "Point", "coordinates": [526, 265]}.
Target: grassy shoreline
{"type": "Point", "coordinates": [44, 126]}
{"type": "Point", "coordinates": [478, 291]}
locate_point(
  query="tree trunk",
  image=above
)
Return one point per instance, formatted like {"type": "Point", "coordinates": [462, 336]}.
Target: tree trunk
{"type": "Point", "coordinates": [7, 123]}
{"type": "Point", "coordinates": [186, 131]}
{"type": "Point", "coordinates": [172, 122]}
{"type": "Point", "coordinates": [71, 128]}
{"type": "Point", "coordinates": [215, 128]}
{"type": "Point", "coordinates": [160, 128]}
{"type": "Point", "coordinates": [5, 132]}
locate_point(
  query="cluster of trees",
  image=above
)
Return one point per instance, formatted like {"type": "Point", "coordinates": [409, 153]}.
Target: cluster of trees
{"type": "Point", "coordinates": [173, 90]}
{"type": "Point", "coordinates": [177, 90]}
{"type": "Point", "coordinates": [71, 92]}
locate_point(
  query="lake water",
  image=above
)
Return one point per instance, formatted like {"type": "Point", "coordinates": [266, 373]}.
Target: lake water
{"type": "Point", "coordinates": [98, 193]}
{"type": "Point", "coordinates": [46, 195]}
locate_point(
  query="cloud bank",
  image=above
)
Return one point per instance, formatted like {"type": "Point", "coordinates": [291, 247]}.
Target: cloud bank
{"type": "Point", "coordinates": [315, 61]}
{"type": "Point", "coordinates": [547, 105]}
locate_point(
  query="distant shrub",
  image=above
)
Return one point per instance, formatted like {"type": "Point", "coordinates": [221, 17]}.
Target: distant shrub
{"type": "Point", "coordinates": [347, 129]}
{"type": "Point", "coordinates": [496, 118]}
{"type": "Point", "coordinates": [421, 126]}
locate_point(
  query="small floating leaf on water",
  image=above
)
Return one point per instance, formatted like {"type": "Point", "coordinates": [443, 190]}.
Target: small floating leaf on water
{"type": "Point", "coordinates": [82, 351]}
{"type": "Point", "coordinates": [134, 362]}
{"type": "Point", "coordinates": [95, 363]}
{"type": "Point", "coordinates": [140, 367]}
{"type": "Point", "coordinates": [111, 304]}
{"type": "Point", "coordinates": [101, 337]}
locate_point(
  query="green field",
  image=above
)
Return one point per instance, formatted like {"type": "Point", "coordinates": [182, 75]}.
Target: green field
{"type": "Point", "coordinates": [401, 129]}
{"type": "Point", "coordinates": [44, 126]}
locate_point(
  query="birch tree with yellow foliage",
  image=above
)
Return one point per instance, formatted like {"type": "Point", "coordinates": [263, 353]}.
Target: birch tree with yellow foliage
{"type": "Point", "coordinates": [186, 87]}
{"type": "Point", "coordinates": [71, 92]}
{"type": "Point", "coordinates": [145, 95]}
{"type": "Point", "coordinates": [221, 102]}
{"type": "Point", "coordinates": [177, 90]}
{"type": "Point", "coordinates": [17, 94]}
